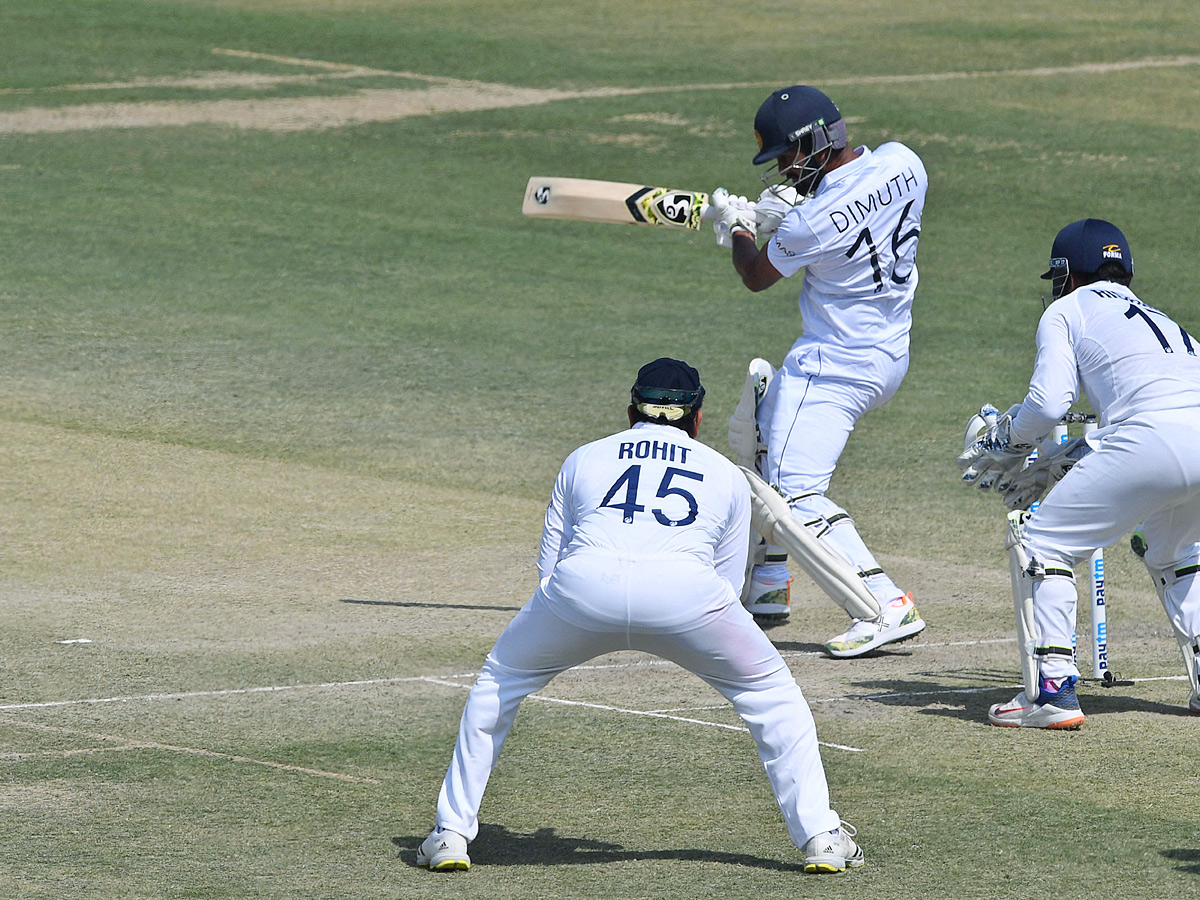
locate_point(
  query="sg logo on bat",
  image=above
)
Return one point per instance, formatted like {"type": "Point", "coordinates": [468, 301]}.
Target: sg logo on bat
{"type": "Point", "coordinates": [660, 206]}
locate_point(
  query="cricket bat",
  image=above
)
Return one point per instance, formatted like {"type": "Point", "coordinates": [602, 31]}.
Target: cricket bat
{"type": "Point", "coordinates": [587, 200]}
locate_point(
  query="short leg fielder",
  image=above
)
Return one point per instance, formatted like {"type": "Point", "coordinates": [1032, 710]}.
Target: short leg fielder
{"type": "Point", "coordinates": [806, 417]}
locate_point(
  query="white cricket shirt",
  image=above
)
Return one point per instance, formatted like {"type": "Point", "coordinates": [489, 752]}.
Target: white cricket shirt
{"type": "Point", "coordinates": [857, 241]}
{"type": "Point", "coordinates": [1128, 357]}
{"type": "Point", "coordinates": [646, 492]}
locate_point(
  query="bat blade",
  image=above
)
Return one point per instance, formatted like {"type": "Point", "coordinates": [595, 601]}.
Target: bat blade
{"type": "Point", "coordinates": [588, 200]}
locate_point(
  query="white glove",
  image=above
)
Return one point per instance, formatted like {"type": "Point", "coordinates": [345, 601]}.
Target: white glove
{"type": "Point", "coordinates": [1030, 483]}
{"type": "Point", "coordinates": [987, 416]}
{"type": "Point", "coordinates": [995, 456]}
{"type": "Point", "coordinates": [731, 213]}
{"type": "Point", "coordinates": [770, 208]}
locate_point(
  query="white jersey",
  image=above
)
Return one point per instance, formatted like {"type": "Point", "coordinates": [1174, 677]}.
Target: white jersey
{"type": "Point", "coordinates": [649, 492]}
{"type": "Point", "coordinates": [857, 238]}
{"type": "Point", "coordinates": [1128, 357]}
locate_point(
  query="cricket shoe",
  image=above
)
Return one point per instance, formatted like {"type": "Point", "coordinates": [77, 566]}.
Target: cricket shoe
{"type": "Point", "coordinates": [899, 621]}
{"type": "Point", "coordinates": [770, 596]}
{"type": "Point", "coordinates": [1194, 704]}
{"type": "Point", "coordinates": [444, 851]}
{"type": "Point", "coordinates": [833, 851]}
{"type": "Point", "coordinates": [1052, 709]}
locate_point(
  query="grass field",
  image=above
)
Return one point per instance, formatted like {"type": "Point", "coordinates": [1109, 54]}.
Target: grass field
{"type": "Point", "coordinates": [285, 379]}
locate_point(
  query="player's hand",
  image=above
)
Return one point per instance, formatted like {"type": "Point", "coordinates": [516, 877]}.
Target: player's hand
{"type": "Point", "coordinates": [1031, 482]}
{"type": "Point", "coordinates": [731, 213]}
{"type": "Point", "coordinates": [995, 456]}
{"type": "Point", "coordinates": [770, 208]}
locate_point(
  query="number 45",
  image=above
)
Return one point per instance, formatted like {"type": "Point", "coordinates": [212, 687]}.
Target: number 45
{"type": "Point", "coordinates": [630, 478]}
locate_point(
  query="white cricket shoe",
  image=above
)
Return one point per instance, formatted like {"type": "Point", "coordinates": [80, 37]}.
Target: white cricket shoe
{"type": "Point", "coordinates": [899, 621]}
{"type": "Point", "coordinates": [770, 597]}
{"type": "Point", "coordinates": [444, 851]}
{"type": "Point", "coordinates": [1194, 704]}
{"type": "Point", "coordinates": [833, 851]}
{"type": "Point", "coordinates": [1052, 709]}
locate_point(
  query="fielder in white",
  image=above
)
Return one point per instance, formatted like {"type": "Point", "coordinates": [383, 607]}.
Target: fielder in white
{"type": "Point", "coordinates": [644, 548]}
{"type": "Point", "coordinates": [851, 219]}
{"type": "Point", "coordinates": [1141, 374]}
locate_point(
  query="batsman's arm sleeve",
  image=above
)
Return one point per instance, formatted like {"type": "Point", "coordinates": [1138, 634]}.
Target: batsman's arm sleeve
{"type": "Point", "coordinates": [1055, 383]}
{"type": "Point", "coordinates": [731, 552]}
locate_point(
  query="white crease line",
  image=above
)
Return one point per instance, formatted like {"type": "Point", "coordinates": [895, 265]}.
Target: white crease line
{"type": "Point", "coordinates": [642, 712]}
{"type": "Point", "coordinates": [231, 692]}
{"type": "Point", "coordinates": [269, 689]}
{"type": "Point", "coordinates": [127, 744]}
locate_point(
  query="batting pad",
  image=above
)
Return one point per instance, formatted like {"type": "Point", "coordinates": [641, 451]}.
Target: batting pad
{"type": "Point", "coordinates": [773, 519]}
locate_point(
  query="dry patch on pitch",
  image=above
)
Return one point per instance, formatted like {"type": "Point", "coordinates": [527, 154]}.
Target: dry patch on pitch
{"type": "Point", "coordinates": [346, 104]}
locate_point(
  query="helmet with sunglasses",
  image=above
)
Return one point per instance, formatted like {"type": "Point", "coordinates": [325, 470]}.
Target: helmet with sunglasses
{"type": "Point", "coordinates": [1082, 248]}
{"type": "Point", "coordinates": [803, 122]}
{"type": "Point", "coordinates": [667, 390]}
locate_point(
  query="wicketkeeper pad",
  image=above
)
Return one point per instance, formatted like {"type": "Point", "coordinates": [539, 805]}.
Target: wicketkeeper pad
{"type": "Point", "coordinates": [832, 573]}
{"type": "Point", "coordinates": [1022, 591]}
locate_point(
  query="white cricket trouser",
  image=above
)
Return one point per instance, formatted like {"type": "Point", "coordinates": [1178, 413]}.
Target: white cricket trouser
{"type": "Point", "coordinates": [725, 648]}
{"type": "Point", "coordinates": [1145, 470]}
{"type": "Point", "coordinates": [806, 417]}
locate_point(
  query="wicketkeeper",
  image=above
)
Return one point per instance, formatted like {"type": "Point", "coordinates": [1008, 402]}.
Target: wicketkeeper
{"type": "Point", "coordinates": [1141, 373]}
{"type": "Point", "coordinates": [644, 548]}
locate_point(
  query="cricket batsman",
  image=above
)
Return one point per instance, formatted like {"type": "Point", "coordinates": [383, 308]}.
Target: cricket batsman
{"type": "Point", "coordinates": [850, 218]}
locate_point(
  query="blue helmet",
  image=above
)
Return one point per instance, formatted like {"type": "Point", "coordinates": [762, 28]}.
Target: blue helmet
{"type": "Point", "coordinates": [803, 121]}
{"type": "Point", "coordinates": [1082, 248]}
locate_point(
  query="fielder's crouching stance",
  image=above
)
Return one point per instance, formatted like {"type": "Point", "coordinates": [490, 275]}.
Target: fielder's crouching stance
{"type": "Point", "coordinates": [1140, 371]}
{"type": "Point", "coordinates": [644, 548]}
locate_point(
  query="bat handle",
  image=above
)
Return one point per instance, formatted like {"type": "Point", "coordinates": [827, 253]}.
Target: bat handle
{"type": "Point", "coordinates": [707, 213]}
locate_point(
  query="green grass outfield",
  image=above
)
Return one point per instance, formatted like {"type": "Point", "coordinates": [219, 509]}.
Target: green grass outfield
{"type": "Point", "coordinates": [285, 379]}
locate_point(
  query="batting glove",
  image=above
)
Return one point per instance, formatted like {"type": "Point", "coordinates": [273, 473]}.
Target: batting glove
{"type": "Point", "coordinates": [770, 208]}
{"type": "Point", "coordinates": [731, 213]}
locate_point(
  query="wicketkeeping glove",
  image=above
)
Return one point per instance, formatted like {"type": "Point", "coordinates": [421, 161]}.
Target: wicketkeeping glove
{"type": "Point", "coordinates": [995, 455]}
{"type": "Point", "coordinates": [770, 208]}
{"type": "Point", "coordinates": [1032, 482]}
{"type": "Point", "coordinates": [731, 213]}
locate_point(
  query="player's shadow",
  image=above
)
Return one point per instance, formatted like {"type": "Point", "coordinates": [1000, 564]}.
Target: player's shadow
{"type": "Point", "coordinates": [797, 646]}
{"type": "Point", "coordinates": [1191, 859]}
{"type": "Point", "coordinates": [497, 846]}
{"type": "Point", "coordinates": [805, 647]}
{"type": "Point", "coordinates": [421, 604]}
{"type": "Point", "coordinates": [971, 698]}
{"type": "Point", "coordinates": [965, 698]}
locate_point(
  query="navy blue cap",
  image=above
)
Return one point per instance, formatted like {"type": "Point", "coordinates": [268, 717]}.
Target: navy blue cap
{"type": "Point", "coordinates": [1084, 246]}
{"type": "Point", "coordinates": [668, 382]}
